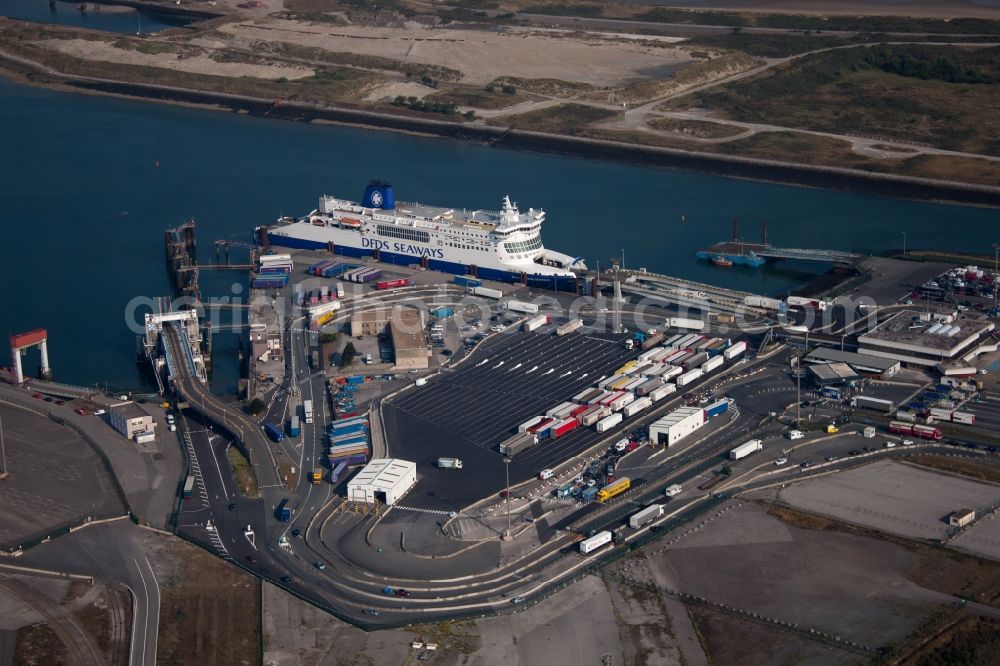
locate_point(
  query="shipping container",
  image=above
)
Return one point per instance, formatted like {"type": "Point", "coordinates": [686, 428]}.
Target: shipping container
{"type": "Point", "coordinates": [586, 395]}
{"type": "Point", "coordinates": [696, 360]}
{"type": "Point", "coordinates": [338, 472]}
{"type": "Point", "coordinates": [293, 427]}
{"type": "Point", "coordinates": [712, 364]}
{"type": "Point", "coordinates": [443, 312]}
{"type": "Point", "coordinates": [637, 406]}
{"type": "Point", "coordinates": [564, 427]}
{"type": "Point", "coordinates": [652, 341]}
{"type": "Point", "coordinates": [189, 486]}
{"type": "Point", "coordinates": [535, 323]}
{"type": "Point", "coordinates": [593, 414]}
{"type": "Point", "coordinates": [354, 459]}
{"type": "Point", "coordinates": [876, 404]}
{"type": "Point", "coordinates": [649, 386]}
{"type": "Point", "coordinates": [593, 543]}
{"type": "Point", "coordinates": [511, 446]}
{"type": "Point", "coordinates": [530, 423]}
{"type": "Point", "coordinates": [735, 350]}
{"type": "Point", "coordinates": [941, 414]}
{"type": "Point", "coordinates": [689, 377]}
{"type": "Point", "coordinates": [307, 410]}
{"type": "Point", "coordinates": [392, 284]}
{"type": "Point", "coordinates": [609, 422]}
{"type": "Point", "coordinates": [745, 449]}
{"type": "Point", "coordinates": [541, 426]}
{"type": "Point", "coordinates": [561, 410]}
{"type": "Point", "coordinates": [273, 431]}
{"type": "Point", "coordinates": [589, 494]}
{"type": "Point", "coordinates": [716, 408]}
{"type": "Point", "coordinates": [691, 324]}
{"type": "Point", "coordinates": [569, 327]}
{"type": "Point", "coordinates": [662, 392]}
{"type": "Point", "coordinates": [466, 281]}
{"type": "Point", "coordinates": [621, 401]}
{"type": "Point", "coordinates": [966, 418]}
{"type": "Point", "coordinates": [520, 306]}
{"type": "Point", "coordinates": [647, 515]}
{"type": "Point", "coordinates": [487, 292]}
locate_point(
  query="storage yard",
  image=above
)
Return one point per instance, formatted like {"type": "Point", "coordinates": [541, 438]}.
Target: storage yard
{"type": "Point", "coordinates": [892, 497]}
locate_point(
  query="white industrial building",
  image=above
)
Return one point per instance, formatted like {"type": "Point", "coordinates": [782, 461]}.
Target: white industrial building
{"type": "Point", "coordinates": [382, 480]}
{"type": "Point", "coordinates": [922, 339]}
{"type": "Point", "coordinates": [676, 425]}
{"type": "Point", "coordinates": [132, 421]}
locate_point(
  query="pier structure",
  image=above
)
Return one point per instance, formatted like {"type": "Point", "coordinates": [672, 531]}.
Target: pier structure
{"type": "Point", "coordinates": [755, 255]}
{"type": "Point", "coordinates": [21, 342]}
{"type": "Point", "coordinates": [160, 355]}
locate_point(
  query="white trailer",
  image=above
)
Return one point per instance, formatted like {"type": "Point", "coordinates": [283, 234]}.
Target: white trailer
{"type": "Point", "coordinates": [689, 377]}
{"type": "Point", "coordinates": [689, 324]}
{"type": "Point", "coordinates": [521, 306]}
{"type": "Point", "coordinates": [637, 406]}
{"type": "Point", "coordinates": [530, 423]}
{"type": "Point", "coordinates": [569, 327]}
{"type": "Point", "coordinates": [307, 410]}
{"type": "Point", "coordinates": [745, 449]}
{"type": "Point", "coordinates": [734, 350]}
{"type": "Point", "coordinates": [609, 422]}
{"type": "Point", "coordinates": [595, 542]}
{"type": "Point", "coordinates": [711, 364]}
{"type": "Point", "coordinates": [658, 394]}
{"type": "Point", "coordinates": [673, 490]}
{"type": "Point", "coordinates": [647, 515]}
{"type": "Point", "coordinates": [621, 401]}
{"type": "Point", "coordinates": [553, 412]}
{"type": "Point", "coordinates": [535, 323]}
{"type": "Point", "coordinates": [487, 292]}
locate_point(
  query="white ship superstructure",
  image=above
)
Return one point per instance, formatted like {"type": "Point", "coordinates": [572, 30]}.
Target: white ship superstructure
{"type": "Point", "coordinates": [501, 245]}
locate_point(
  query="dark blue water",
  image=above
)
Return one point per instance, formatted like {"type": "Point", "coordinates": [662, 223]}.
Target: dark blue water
{"type": "Point", "coordinates": [109, 19]}
{"type": "Point", "coordinates": [83, 206]}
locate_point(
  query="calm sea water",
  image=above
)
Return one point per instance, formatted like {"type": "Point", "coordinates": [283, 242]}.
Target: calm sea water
{"type": "Point", "coordinates": [109, 19]}
{"type": "Point", "coordinates": [87, 185]}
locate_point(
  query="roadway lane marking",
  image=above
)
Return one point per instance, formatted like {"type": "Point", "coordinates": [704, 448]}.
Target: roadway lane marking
{"type": "Point", "coordinates": [145, 629]}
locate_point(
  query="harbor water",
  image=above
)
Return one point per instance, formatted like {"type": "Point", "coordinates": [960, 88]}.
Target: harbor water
{"type": "Point", "coordinates": [88, 183]}
{"type": "Point", "coordinates": [109, 18]}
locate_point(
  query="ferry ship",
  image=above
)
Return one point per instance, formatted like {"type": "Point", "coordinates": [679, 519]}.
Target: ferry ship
{"type": "Point", "coordinates": [504, 245]}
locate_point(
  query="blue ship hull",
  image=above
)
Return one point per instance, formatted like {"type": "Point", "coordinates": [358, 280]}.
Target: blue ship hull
{"type": "Point", "coordinates": [555, 283]}
{"type": "Point", "coordinates": [737, 259]}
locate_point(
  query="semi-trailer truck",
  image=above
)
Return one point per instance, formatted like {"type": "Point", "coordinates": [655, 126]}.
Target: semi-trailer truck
{"type": "Point", "coordinates": [449, 463]}
{"type": "Point", "coordinates": [307, 410]}
{"type": "Point", "coordinates": [745, 449]}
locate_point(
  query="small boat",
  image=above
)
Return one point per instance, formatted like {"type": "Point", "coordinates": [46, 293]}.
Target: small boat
{"type": "Point", "coordinates": [719, 260]}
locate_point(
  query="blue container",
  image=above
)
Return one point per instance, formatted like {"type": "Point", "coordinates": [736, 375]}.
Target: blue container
{"type": "Point", "coordinates": [589, 494]}
{"type": "Point", "coordinates": [353, 428]}
{"type": "Point", "coordinates": [356, 379]}
{"type": "Point", "coordinates": [467, 281]}
{"type": "Point", "coordinates": [443, 312]}
{"type": "Point", "coordinates": [338, 472]}
{"type": "Point", "coordinates": [716, 408]}
{"type": "Point", "coordinates": [273, 431]}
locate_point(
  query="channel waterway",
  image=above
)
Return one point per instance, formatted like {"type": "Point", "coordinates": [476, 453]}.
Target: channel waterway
{"type": "Point", "coordinates": [87, 185]}
{"type": "Point", "coordinates": [109, 18]}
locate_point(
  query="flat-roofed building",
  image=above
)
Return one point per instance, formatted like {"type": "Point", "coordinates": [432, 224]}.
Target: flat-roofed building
{"type": "Point", "coordinates": [383, 480]}
{"type": "Point", "coordinates": [131, 420]}
{"type": "Point", "coordinates": [922, 339]}
{"type": "Point", "coordinates": [862, 363]}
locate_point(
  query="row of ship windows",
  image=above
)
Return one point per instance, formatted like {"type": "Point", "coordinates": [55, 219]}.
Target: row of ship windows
{"type": "Point", "coordinates": [467, 247]}
{"type": "Point", "coordinates": [529, 245]}
{"type": "Point", "coordinates": [404, 234]}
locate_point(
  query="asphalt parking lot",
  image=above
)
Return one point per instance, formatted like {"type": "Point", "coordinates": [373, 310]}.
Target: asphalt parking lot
{"type": "Point", "coordinates": [467, 412]}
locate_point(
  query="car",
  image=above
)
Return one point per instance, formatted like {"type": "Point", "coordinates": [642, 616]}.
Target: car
{"type": "Point", "coordinates": [251, 559]}
{"type": "Point", "coordinates": [60, 402]}
{"type": "Point", "coordinates": [286, 579]}
{"type": "Point", "coordinates": [388, 591]}
{"type": "Point", "coordinates": [319, 565]}
{"type": "Point", "coordinates": [98, 412]}
{"type": "Point", "coordinates": [36, 396]}
{"type": "Point", "coordinates": [232, 506]}
{"type": "Point", "coordinates": [504, 493]}
{"type": "Point", "coordinates": [781, 461]}
{"type": "Point", "coordinates": [49, 398]}
{"type": "Point", "coordinates": [296, 532]}
{"type": "Point", "coordinates": [971, 445]}
{"type": "Point", "coordinates": [81, 411]}
{"type": "Point", "coordinates": [907, 442]}
{"type": "Point", "coordinates": [806, 465]}
{"type": "Point", "coordinates": [446, 352]}
{"type": "Point", "coordinates": [854, 452]}
{"type": "Point", "coordinates": [370, 611]}
{"type": "Point", "coordinates": [889, 445]}
{"type": "Point", "coordinates": [402, 593]}
{"type": "Point", "coordinates": [983, 371]}
{"type": "Point", "coordinates": [517, 600]}
{"type": "Point", "coordinates": [831, 458]}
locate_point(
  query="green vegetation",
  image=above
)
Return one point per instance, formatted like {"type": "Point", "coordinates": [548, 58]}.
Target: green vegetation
{"type": "Point", "coordinates": [480, 98]}
{"type": "Point", "coordinates": [242, 471]}
{"type": "Point", "coordinates": [975, 641]}
{"type": "Point", "coordinates": [326, 338]}
{"type": "Point", "coordinates": [255, 406]}
{"type": "Point", "coordinates": [424, 106]}
{"type": "Point", "coordinates": [547, 87]}
{"type": "Point", "coordinates": [856, 91]}
{"type": "Point", "coordinates": [695, 128]}
{"type": "Point", "coordinates": [569, 119]}
{"type": "Point", "coordinates": [766, 45]}
{"type": "Point", "coordinates": [348, 355]}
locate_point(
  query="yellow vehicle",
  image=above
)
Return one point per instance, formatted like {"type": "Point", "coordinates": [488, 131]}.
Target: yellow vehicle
{"type": "Point", "coordinates": [165, 405]}
{"type": "Point", "coordinates": [832, 428]}
{"type": "Point", "coordinates": [612, 489]}
{"type": "Point", "coordinates": [317, 476]}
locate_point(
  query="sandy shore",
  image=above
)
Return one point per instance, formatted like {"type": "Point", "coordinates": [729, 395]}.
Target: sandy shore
{"type": "Point", "coordinates": [922, 8]}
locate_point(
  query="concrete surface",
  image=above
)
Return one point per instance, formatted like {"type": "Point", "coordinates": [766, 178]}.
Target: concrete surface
{"type": "Point", "coordinates": [982, 538]}
{"type": "Point", "coordinates": [892, 497]}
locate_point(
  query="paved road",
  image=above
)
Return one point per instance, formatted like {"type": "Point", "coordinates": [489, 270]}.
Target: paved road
{"type": "Point", "coordinates": [146, 613]}
{"type": "Point", "coordinates": [227, 416]}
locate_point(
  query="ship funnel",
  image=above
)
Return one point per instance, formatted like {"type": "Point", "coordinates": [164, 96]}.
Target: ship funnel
{"type": "Point", "coordinates": [379, 194]}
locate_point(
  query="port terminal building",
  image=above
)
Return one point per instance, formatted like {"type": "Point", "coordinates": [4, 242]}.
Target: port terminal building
{"type": "Point", "coordinates": [383, 480]}
{"type": "Point", "coordinates": [921, 339]}
{"type": "Point", "coordinates": [870, 366]}
{"type": "Point", "coordinates": [132, 421]}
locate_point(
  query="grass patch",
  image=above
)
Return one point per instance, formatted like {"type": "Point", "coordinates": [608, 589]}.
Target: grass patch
{"type": "Point", "coordinates": [698, 128]}
{"type": "Point", "coordinates": [857, 91]}
{"type": "Point", "coordinates": [547, 87]}
{"type": "Point", "coordinates": [562, 119]}
{"type": "Point", "coordinates": [767, 46]}
{"type": "Point", "coordinates": [984, 470]}
{"type": "Point", "coordinates": [972, 641]}
{"type": "Point", "coordinates": [478, 98]}
{"type": "Point", "coordinates": [795, 146]}
{"type": "Point", "coordinates": [243, 472]}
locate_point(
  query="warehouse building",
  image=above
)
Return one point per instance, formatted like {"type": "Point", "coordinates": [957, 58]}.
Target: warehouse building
{"type": "Point", "coordinates": [383, 480]}
{"type": "Point", "coordinates": [829, 374]}
{"type": "Point", "coordinates": [676, 425]}
{"type": "Point", "coordinates": [871, 366]}
{"type": "Point", "coordinates": [409, 345]}
{"type": "Point", "coordinates": [924, 340]}
{"type": "Point", "coordinates": [375, 320]}
{"type": "Point", "coordinates": [132, 421]}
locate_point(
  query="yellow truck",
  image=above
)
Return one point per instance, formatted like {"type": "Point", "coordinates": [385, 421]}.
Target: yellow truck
{"type": "Point", "coordinates": [613, 489]}
{"type": "Point", "coordinates": [317, 476]}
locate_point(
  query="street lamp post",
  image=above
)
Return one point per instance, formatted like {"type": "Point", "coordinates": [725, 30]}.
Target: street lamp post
{"type": "Point", "coordinates": [996, 256]}
{"type": "Point", "coordinates": [506, 466]}
{"type": "Point", "coordinates": [798, 375]}
{"type": "Point", "coordinates": [904, 243]}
